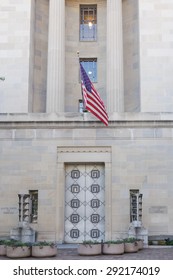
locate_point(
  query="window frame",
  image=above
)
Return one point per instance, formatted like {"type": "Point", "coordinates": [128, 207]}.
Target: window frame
{"type": "Point", "coordinates": [33, 194]}
{"type": "Point", "coordinates": [93, 69]}
{"type": "Point", "coordinates": [85, 21]}
{"type": "Point", "coordinates": [135, 207]}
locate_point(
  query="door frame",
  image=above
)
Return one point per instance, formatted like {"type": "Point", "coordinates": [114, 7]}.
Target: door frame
{"type": "Point", "coordinates": [69, 154]}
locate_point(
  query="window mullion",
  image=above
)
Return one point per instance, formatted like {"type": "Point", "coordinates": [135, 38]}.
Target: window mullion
{"type": "Point", "coordinates": [88, 15]}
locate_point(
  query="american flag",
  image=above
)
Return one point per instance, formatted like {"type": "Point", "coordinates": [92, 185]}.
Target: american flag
{"type": "Point", "coordinates": [92, 101]}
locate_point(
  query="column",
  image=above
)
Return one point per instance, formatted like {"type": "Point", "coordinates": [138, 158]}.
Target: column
{"type": "Point", "coordinates": [56, 57]}
{"type": "Point", "coordinates": [115, 91]}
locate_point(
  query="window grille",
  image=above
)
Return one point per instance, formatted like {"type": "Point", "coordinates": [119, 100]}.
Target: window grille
{"type": "Point", "coordinates": [34, 206]}
{"type": "Point", "coordinates": [90, 66]}
{"type": "Point", "coordinates": [135, 208]}
{"type": "Point", "coordinates": [88, 22]}
{"type": "Point", "coordinates": [28, 207]}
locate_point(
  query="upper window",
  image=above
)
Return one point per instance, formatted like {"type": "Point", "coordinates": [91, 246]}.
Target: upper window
{"type": "Point", "coordinates": [88, 22]}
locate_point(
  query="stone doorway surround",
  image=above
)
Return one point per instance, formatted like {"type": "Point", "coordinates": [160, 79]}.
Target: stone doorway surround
{"type": "Point", "coordinates": [69, 154]}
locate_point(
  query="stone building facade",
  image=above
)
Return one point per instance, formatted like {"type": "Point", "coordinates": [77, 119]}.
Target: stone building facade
{"type": "Point", "coordinates": [62, 172]}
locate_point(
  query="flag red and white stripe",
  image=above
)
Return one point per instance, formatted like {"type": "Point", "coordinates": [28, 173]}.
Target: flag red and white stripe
{"type": "Point", "coordinates": [92, 100]}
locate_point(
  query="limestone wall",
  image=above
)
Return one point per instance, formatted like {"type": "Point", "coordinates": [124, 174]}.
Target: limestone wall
{"type": "Point", "coordinates": [156, 36]}
{"type": "Point", "coordinates": [131, 56]}
{"type": "Point", "coordinates": [140, 157]}
{"type": "Point", "coordinates": [40, 55]}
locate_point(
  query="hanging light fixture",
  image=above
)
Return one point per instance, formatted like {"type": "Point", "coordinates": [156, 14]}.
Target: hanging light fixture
{"type": "Point", "coordinates": [90, 24]}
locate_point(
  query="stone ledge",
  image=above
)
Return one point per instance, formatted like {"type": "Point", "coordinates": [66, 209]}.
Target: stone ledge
{"type": "Point", "coordinates": [75, 116]}
{"type": "Point", "coordinates": [77, 120]}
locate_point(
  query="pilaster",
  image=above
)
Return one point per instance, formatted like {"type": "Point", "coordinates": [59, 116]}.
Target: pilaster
{"type": "Point", "coordinates": [115, 92]}
{"type": "Point", "coordinates": [56, 57]}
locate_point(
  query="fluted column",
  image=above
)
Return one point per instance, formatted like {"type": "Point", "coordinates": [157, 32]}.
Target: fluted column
{"type": "Point", "coordinates": [115, 91]}
{"type": "Point", "coordinates": [56, 57]}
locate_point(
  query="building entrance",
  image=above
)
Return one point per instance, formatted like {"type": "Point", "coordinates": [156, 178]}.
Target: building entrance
{"type": "Point", "coordinates": [84, 202]}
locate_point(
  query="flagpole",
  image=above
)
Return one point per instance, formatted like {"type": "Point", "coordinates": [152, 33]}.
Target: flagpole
{"type": "Point", "coordinates": [81, 85]}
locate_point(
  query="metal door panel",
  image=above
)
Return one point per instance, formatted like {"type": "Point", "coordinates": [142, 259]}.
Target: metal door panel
{"type": "Point", "coordinates": [84, 203]}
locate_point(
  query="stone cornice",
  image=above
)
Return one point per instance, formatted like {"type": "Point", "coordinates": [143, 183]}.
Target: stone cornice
{"type": "Point", "coordinates": [77, 120]}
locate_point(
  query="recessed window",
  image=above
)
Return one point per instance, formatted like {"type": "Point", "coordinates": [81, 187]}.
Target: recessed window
{"type": "Point", "coordinates": [90, 66]}
{"type": "Point", "coordinates": [135, 207]}
{"type": "Point", "coordinates": [88, 22]}
{"type": "Point", "coordinates": [34, 206]}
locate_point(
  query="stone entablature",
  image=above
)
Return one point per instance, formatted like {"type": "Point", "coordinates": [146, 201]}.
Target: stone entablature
{"type": "Point", "coordinates": [77, 120]}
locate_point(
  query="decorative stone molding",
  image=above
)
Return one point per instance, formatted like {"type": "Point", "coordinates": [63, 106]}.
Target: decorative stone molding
{"type": "Point", "coordinates": [84, 149]}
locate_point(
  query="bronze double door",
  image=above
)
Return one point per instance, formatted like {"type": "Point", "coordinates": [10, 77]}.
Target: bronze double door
{"type": "Point", "coordinates": [84, 203]}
